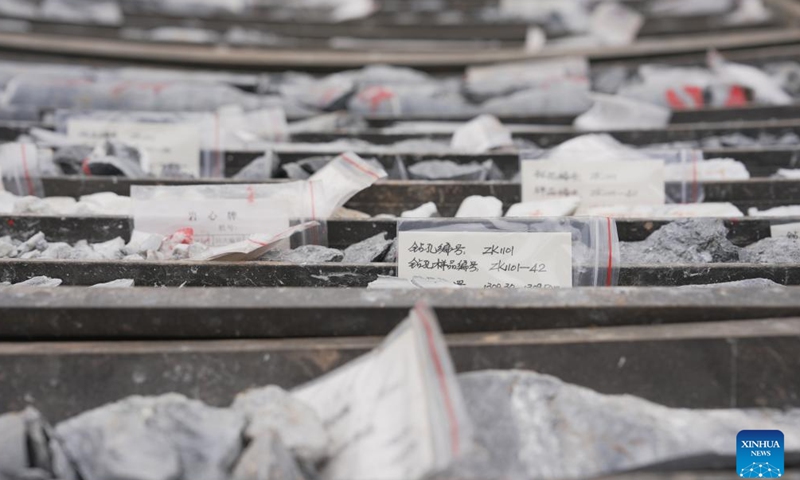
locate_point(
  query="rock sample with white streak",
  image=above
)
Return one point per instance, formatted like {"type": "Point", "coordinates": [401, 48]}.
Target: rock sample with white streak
{"type": "Point", "coordinates": [533, 426]}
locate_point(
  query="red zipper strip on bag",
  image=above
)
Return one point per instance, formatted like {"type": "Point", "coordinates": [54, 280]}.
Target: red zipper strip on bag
{"type": "Point", "coordinates": [451, 416]}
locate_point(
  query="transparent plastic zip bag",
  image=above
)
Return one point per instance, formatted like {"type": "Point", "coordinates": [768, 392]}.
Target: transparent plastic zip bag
{"type": "Point", "coordinates": [396, 412]}
{"type": "Point", "coordinates": [511, 253]}
{"type": "Point", "coordinates": [222, 214]}
{"type": "Point", "coordinates": [172, 142]}
{"type": "Point", "coordinates": [681, 174]}
{"type": "Point", "coordinates": [216, 215]}
{"type": "Point", "coordinates": [19, 167]}
{"type": "Point", "coordinates": [300, 232]}
{"type": "Point", "coordinates": [49, 92]}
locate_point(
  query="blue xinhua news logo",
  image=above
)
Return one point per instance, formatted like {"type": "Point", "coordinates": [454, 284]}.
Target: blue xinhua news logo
{"type": "Point", "coordinates": [759, 454]}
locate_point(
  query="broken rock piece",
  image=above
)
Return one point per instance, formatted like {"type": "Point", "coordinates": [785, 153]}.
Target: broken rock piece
{"type": "Point", "coordinates": [305, 254]}
{"type": "Point", "coordinates": [481, 134]}
{"type": "Point", "coordinates": [28, 449]}
{"type": "Point", "coordinates": [772, 250]}
{"type": "Point", "coordinates": [119, 283]}
{"type": "Point", "coordinates": [477, 206]}
{"type": "Point", "coordinates": [426, 210]}
{"type": "Point", "coordinates": [391, 254]}
{"type": "Point", "coordinates": [747, 283]}
{"type": "Point", "coordinates": [153, 438]}
{"type": "Point", "coordinates": [683, 241]}
{"type": "Point", "coordinates": [273, 410]}
{"type": "Point", "coordinates": [529, 425]}
{"type": "Point", "coordinates": [39, 281]}
{"type": "Point", "coordinates": [370, 250]}
{"type": "Point", "coordinates": [266, 458]}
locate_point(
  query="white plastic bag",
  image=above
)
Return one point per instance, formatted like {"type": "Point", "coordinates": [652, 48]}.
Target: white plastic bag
{"type": "Point", "coordinates": [219, 215]}
{"type": "Point", "coordinates": [19, 167]}
{"type": "Point", "coordinates": [395, 413]}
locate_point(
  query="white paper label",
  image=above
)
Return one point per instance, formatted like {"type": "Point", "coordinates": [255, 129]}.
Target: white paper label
{"type": "Point", "coordinates": [789, 230]}
{"type": "Point", "coordinates": [214, 222]}
{"type": "Point", "coordinates": [488, 259]}
{"type": "Point", "coordinates": [597, 183]}
{"type": "Point", "coordinates": [171, 146]}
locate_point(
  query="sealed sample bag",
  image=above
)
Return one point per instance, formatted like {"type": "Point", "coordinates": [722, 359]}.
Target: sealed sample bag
{"type": "Point", "coordinates": [510, 253]}
{"type": "Point", "coordinates": [396, 412]}
{"type": "Point", "coordinates": [221, 215]}
{"type": "Point", "coordinates": [19, 167]}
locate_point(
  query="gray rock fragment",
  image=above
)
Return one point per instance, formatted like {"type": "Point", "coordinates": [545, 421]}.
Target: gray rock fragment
{"type": "Point", "coordinates": [691, 240]}
{"type": "Point", "coordinates": [446, 170]}
{"type": "Point", "coordinates": [110, 250]}
{"type": "Point", "coordinates": [305, 254]}
{"type": "Point", "coordinates": [426, 210]}
{"type": "Point", "coordinates": [13, 447]}
{"type": "Point", "coordinates": [36, 242]}
{"type": "Point", "coordinates": [772, 250]}
{"type": "Point", "coordinates": [29, 451]}
{"type": "Point", "coordinates": [266, 458]}
{"type": "Point", "coordinates": [273, 410]}
{"type": "Point", "coordinates": [153, 438]}
{"type": "Point", "coordinates": [476, 206]}
{"type": "Point", "coordinates": [39, 281]}
{"type": "Point", "coordinates": [30, 255]}
{"type": "Point", "coordinates": [180, 251]}
{"type": "Point", "coordinates": [747, 283]}
{"type": "Point", "coordinates": [119, 283]}
{"type": "Point", "coordinates": [370, 250]}
{"type": "Point", "coordinates": [391, 254]}
{"type": "Point", "coordinates": [83, 251]}
{"type": "Point", "coordinates": [6, 247]}
{"type": "Point", "coordinates": [57, 251]}
{"type": "Point", "coordinates": [530, 425]}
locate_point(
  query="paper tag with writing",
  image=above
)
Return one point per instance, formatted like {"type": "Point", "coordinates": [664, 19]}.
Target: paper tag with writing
{"type": "Point", "coordinates": [488, 259]}
{"type": "Point", "coordinates": [789, 230]}
{"type": "Point", "coordinates": [214, 222]}
{"type": "Point", "coordinates": [169, 146]}
{"type": "Point", "coordinates": [597, 183]}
